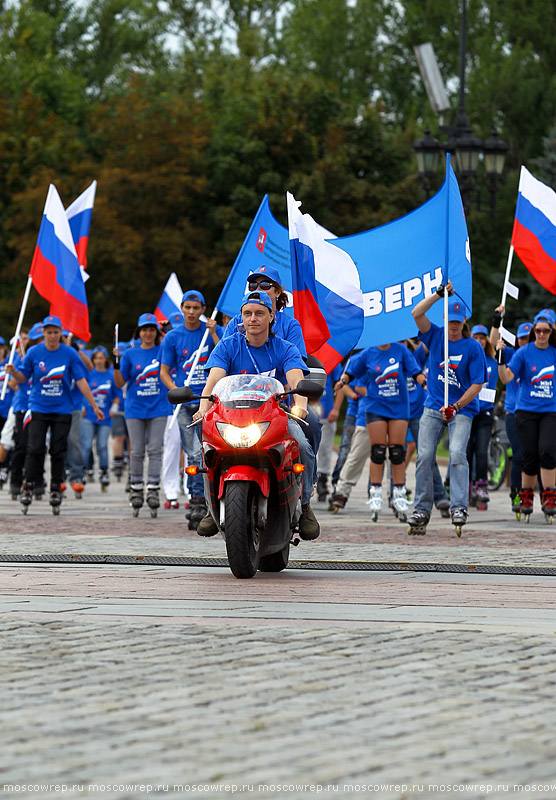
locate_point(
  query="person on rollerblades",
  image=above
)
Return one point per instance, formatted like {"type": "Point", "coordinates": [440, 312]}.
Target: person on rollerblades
{"type": "Point", "coordinates": [467, 372]}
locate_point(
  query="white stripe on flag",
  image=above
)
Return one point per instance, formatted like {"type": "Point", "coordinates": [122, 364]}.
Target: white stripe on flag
{"type": "Point", "coordinates": [539, 194]}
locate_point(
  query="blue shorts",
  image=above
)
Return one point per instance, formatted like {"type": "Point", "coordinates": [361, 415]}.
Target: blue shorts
{"type": "Point", "coordinates": [119, 428]}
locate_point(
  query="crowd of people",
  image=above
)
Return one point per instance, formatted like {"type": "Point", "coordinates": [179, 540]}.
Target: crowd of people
{"type": "Point", "coordinates": [105, 407]}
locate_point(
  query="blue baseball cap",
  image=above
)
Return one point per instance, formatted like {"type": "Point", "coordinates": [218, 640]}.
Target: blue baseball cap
{"type": "Point", "coordinates": [2, 340]}
{"type": "Point", "coordinates": [257, 297]}
{"type": "Point", "coordinates": [548, 314]}
{"type": "Point", "coordinates": [479, 329]}
{"type": "Point", "coordinates": [524, 329]}
{"type": "Point", "coordinates": [176, 319]}
{"type": "Point", "coordinates": [456, 310]}
{"type": "Point", "coordinates": [56, 322]}
{"type": "Point", "coordinates": [101, 349]}
{"type": "Point", "coordinates": [266, 272]}
{"type": "Point", "coordinates": [147, 319]}
{"type": "Point", "coordinates": [543, 316]}
{"type": "Point", "coordinates": [193, 294]}
{"type": "Point", "coordinates": [36, 331]}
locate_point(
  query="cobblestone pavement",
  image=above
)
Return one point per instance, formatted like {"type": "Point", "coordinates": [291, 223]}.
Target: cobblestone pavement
{"type": "Point", "coordinates": [136, 682]}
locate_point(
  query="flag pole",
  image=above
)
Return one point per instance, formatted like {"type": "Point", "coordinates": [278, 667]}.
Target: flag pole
{"type": "Point", "coordinates": [18, 330]}
{"type": "Point", "coordinates": [505, 289]}
{"type": "Point", "coordinates": [446, 278]}
{"type": "Point", "coordinates": [192, 369]}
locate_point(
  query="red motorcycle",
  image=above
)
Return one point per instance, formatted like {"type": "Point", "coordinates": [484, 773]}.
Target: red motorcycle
{"type": "Point", "coordinates": [252, 473]}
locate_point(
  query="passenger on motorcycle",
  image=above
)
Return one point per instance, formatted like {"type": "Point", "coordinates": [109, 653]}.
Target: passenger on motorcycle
{"type": "Point", "coordinates": [260, 351]}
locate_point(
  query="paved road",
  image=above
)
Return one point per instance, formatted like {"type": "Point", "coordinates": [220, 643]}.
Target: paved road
{"type": "Point", "coordinates": [148, 681]}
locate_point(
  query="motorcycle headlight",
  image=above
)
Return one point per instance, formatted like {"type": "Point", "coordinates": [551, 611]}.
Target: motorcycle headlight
{"type": "Point", "coordinates": [242, 437]}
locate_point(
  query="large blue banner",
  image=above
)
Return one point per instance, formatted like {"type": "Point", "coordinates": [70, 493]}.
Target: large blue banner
{"type": "Point", "coordinates": [398, 263]}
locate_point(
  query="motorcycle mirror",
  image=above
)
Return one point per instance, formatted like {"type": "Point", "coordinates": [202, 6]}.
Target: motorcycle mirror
{"type": "Point", "coordinates": [310, 389]}
{"type": "Point", "coordinates": [183, 394]}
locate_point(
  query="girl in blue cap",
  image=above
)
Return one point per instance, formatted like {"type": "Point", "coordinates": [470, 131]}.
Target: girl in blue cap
{"type": "Point", "coordinates": [481, 427]}
{"type": "Point", "coordinates": [146, 410]}
{"type": "Point", "coordinates": [534, 365]}
{"type": "Point", "coordinates": [104, 389]}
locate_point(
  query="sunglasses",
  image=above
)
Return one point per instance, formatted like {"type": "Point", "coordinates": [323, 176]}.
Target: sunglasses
{"type": "Point", "coordinates": [260, 285]}
{"type": "Point", "coordinates": [543, 330]}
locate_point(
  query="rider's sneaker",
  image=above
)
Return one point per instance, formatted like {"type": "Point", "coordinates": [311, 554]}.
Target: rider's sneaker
{"type": "Point", "coordinates": [207, 526]}
{"type": "Point", "coordinates": [309, 527]}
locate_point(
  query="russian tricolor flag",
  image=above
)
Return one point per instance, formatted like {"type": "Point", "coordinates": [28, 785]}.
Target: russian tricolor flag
{"type": "Point", "coordinates": [534, 232]}
{"type": "Point", "coordinates": [55, 269]}
{"type": "Point", "coordinates": [79, 217]}
{"type": "Point", "coordinates": [170, 301]}
{"type": "Point", "coordinates": [327, 296]}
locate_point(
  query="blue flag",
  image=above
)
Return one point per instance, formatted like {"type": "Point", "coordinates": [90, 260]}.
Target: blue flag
{"type": "Point", "coordinates": [405, 260]}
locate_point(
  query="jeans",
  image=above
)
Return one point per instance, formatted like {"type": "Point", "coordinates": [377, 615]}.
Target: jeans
{"type": "Point", "coordinates": [431, 428]}
{"type": "Point", "coordinates": [191, 443]}
{"type": "Point", "coordinates": [306, 457]}
{"type": "Point", "coordinates": [517, 458]}
{"type": "Point", "coordinates": [345, 444]}
{"type": "Point", "coordinates": [439, 492]}
{"type": "Point", "coordinates": [59, 425]}
{"type": "Point", "coordinates": [88, 431]}
{"type": "Point", "coordinates": [146, 434]}
{"type": "Point", "coordinates": [479, 440]}
{"type": "Point", "coordinates": [74, 456]}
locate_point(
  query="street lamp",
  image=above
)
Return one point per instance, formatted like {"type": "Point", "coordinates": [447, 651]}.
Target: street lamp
{"type": "Point", "coordinates": [467, 149]}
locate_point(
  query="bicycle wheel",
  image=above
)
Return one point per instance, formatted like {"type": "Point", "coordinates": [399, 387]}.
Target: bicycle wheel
{"type": "Point", "coordinates": [498, 462]}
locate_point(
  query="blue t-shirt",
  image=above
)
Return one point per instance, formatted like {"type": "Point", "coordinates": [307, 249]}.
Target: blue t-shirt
{"type": "Point", "coordinates": [274, 358]}
{"type": "Point", "coordinates": [179, 348]}
{"type": "Point", "coordinates": [417, 394]}
{"type": "Point", "coordinates": [491, 383]}
{"type": "Point", "coordinates": [52, 373]}
{"type": "Point", "coordinates": [104, 391]}
{"type": "Point", "coordinates": [535, 369]}
{"type": "Point", "coordinates": [9, 396]}
{"type": "Point", "coordinates": [284, 326]}
{"type": "Point", "coordinates": [387, 372]}
{"type": "Point", "coordinates": [513, 386]}
{"type": "Point", "coordinates": [146, 394]}
{"type": "Point", "coordinates": [466, 366]}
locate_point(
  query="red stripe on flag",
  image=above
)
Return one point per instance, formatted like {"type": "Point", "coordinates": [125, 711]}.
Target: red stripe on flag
{"type": "Point", "coordinates": [329, 356]}
{"type": "Point", "coordinates": [541, 266]}
{"type": "Point", "coordinates": [81, 250]}
{"type": "Point", "coordinates": [313, 324]}
{"type": "Point", "coordinates": [73, 313]}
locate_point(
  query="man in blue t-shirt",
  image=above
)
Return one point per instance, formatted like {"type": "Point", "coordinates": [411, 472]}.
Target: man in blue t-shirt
{"type": "Point", "coordinates": [52, 367]}
{"type": "Point", "coordinates": [467, 372]}
{"type": "Point", "coordinates": [257, 351]}
{"type": "Point", "coordinates": [179, 349]}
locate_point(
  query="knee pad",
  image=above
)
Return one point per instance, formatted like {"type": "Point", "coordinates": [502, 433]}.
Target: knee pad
{"type": "Point", "coordinates": [378, 453]}
{"type": "Point", "coordinates": [396, 453]}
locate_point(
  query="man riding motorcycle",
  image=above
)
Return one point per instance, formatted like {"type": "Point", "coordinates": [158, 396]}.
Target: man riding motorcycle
{"type": "Point", "coordinates": [257, 350]}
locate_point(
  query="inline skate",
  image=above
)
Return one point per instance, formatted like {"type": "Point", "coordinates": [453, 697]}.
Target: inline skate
{"type": "Point", "coordinates": [459, 519]}
{"type": "Point", "coordinates": [400, 504]}
{"type": "Point", "coordinates": [526, 500]}
{"type": "Point", "coordinates": [375, 501]}
{"type": "Point", "coordinates": [549, 504]}
{"type": "Point", "coordinates": [418, 522]}
{"type": "Point", "coordinates": [153, 501]}
{"type": "Point", "coordinates": [136, 498]}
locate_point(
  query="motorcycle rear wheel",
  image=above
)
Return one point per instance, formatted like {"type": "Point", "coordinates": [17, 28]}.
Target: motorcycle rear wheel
{"type": "Point", "coordinates": [275, 562]}
{"type": "Point", "coordinates": [242, 538]}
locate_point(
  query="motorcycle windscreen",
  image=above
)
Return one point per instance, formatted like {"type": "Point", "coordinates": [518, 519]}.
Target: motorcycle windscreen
{"type": "Point", "coordinates": [246, 391]}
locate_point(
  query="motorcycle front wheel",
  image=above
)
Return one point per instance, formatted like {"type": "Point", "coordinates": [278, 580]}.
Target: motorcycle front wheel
{"type": "Point", "coordinates": [275, 562]}
{"type": "Point", "coordinates": [242, 538]}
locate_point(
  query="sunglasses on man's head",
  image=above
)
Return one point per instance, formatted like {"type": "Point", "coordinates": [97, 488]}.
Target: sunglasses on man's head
{"type": "Point", "coordinates": [260, 285]}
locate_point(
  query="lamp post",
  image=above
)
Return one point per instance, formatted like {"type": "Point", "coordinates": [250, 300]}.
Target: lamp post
{"type": "Point", "coordinates": [467, 149]}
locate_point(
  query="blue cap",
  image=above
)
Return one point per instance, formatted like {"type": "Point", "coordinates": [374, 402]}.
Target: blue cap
{"type": "Point", "coordinates": [2, 340]}
{"type": "Point", "coordinates": [50, 320]}
{"type": "Point", "coordinates": [542, 316]}
{"type": "Point", "coordinates": [263, 299]}
{"type": "Point", "coordinates": [479, 329]}
{"type": "Point", "coordinates": [101, 349]}
{"type": "Point", "coordinates": [36, 331]}
{"type": "Point", "coordinates": [524, 329]}
{"type": "Point", "coordinates": [176, 319]}
{"type": "Point", "coordinates": [549, 314]}
{"type": "Point", "coordinates": [193, 294]}
{"type": "Point", "coordinates": [456, 310]}
{"type": "Point", "coordinates": [147, 319]}
{"type": "Point", "coordinates": [266, 272]}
